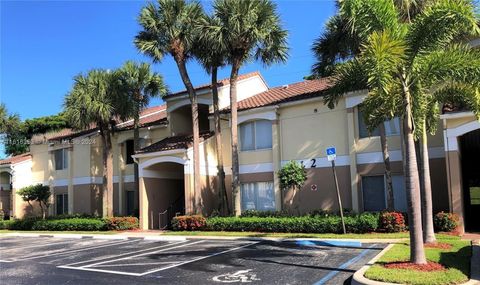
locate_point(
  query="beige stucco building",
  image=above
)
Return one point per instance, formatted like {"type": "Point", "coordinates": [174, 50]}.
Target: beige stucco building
{"type": "Point", "coordinates": [276, 125]}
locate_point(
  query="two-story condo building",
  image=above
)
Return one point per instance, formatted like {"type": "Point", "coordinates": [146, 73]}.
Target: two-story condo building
{"type": "Point", "coordinates": [276, 125]}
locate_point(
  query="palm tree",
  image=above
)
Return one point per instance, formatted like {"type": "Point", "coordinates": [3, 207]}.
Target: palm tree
{"type": "Point", "coordinates": [91, 102]}
{"type": "Point", "coordinates": [390, 54]}
{"type": "Point", "coordinates": [451, 75]}
{"type": "Point", "coordinates": [249, 29]}
{"type": "Point", "coordinates": [137, 85]}
{"type": "Point", "coordinates": [336, 45]}
{"type": "Point", "coordinates": [211, 60]}
{"type": "Point", "coordinates": [169, 27]}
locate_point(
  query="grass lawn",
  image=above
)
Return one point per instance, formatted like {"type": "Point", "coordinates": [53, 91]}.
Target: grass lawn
{"type": "Point", "coordinates": [456, 260]}
{"type": "Point", "coordinates": [290, 235]}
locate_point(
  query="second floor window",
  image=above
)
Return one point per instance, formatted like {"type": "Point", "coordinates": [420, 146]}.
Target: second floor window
{"type": "Point", "coordinates": [392, 127]}
{"type": "Point", "coordinates": [61, 159]}
{"type": "Point", "coordinates": [130, 150]}
{"type": "Point", "coordinates": [256, 135]}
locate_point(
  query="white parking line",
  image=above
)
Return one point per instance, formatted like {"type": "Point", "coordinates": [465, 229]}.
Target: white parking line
{"type": "Point", "coordinates": [137, 264]}
{"type": "Point", "coordinates": [143, 254]}
{"type": "Point", "coordinates": [75, 250]}
{"type": "Point", "coordinates": [35, 245]}
{"type": "Point", "coordinates": [124, 254]}
{"type": "Point", "coordinates": [197, 259]}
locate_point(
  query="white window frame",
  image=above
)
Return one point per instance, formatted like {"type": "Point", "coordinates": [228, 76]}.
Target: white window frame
{"type": "Point", "coordinates": [256, 195]}
{"type": "Point", "coordinates": [384, 188]}
{"type": "Point", "coordinates": [388, 133]}
{"type": "Point", "coordinates": [255, 135]}
{"type": "Point", "coordinates": [64, 154]}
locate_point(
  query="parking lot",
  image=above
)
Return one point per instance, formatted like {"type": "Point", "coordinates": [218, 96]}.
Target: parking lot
{"type": "Point", "coordinates": [52, 260]}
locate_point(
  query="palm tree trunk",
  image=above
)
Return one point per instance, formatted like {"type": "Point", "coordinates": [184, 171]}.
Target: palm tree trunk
{"type": "Point", "coordinates": [222, 190]}
{"type": "Point", "coordinates": [196, 134]}
{"type": "Point", "coordinates": [388, 171]}
{"type": "Point", "coordinates": [107, 183]}
{"type": "Point", "coordinates": [234, 137]}
{"type": "Point", "coordinates": [417, 251]}
{"type": "Point", "coordinates": [426, 191]}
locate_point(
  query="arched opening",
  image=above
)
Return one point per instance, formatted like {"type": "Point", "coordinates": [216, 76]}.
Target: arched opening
{"type": "Point", "coordinates": [181, 119]}
{"type": "Point", "coordinates": [5, 181]}
{"type": "Point", "coordinates": [470, 157]}
{"type": "Point", "coordinates": [165, 191]}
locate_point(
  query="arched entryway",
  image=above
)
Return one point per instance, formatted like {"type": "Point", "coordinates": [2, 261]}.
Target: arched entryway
{"type": "Point", "coordinates": [470, 162]}
{"type": "Point", "coordinates": [162, 191]}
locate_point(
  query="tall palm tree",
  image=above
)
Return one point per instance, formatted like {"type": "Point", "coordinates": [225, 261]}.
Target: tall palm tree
{"type": "Point", "coordinates": [137, 84]}
{"type": "Point", "coordinates": [389, 57]}
{"type": "Point", "coordinates": [91, 102]}
{"type": "Point", "coordinates": [336, 45]}
{"type": "Point", "coordinates": [169, 27]}
{"type": "Point", "coordinates": [249, 29]}
{"type": "Point", "coordinates": [212, 54]}
{"type": "Point", "coordinates": [441, 81]}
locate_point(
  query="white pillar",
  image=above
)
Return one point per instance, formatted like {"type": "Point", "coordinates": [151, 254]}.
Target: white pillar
{"type": "Point", "coordinates": [276, 155]}
{"type": "Point", "coordinates": [70, 180]}
{"type": "Point", "coordinates": [120, 180]}
{"type": "Point", "coordinates": [143, 201]}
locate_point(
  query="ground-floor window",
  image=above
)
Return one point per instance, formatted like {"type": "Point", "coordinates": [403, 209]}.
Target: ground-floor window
{"type": "Point", "coordinates": [61, 204]}
{"type": "Point", "coordinates": [375, 193]}
{"type": "Point", "coordinates": [258, 196]}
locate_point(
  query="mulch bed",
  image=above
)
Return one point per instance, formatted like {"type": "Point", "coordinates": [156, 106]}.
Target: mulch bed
{"type": "Point", "coordinates": [430, 266]}
{"type": "Point", "coordinates": [440, 245]}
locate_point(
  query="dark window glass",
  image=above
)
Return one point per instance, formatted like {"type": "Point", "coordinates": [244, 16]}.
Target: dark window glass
{"type": "Point", "coordinates": [130, 151]}
{"type": "Point", "coordinates": [373, 193]}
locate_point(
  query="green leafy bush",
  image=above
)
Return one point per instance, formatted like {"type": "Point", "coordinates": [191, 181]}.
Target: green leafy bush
{"type": "Point", "coordinates": [74, 224]}
{"type": "Point", "coordinates": [392, 222]}
{"type": "Point", "coordinates": [362, 223]}
{"type": "Point", "coordinates": [189, 223]}
{"type": "Point", "coordinates": [121, 223]}
{"type": "Point", "coordinates": [5, 224]}
{"type": "Point", "coordinates": [445, 222]}
{"type": "Point", "coordinates": [292, 175]}
{"type": "Point", "coordinates": [262, 214]}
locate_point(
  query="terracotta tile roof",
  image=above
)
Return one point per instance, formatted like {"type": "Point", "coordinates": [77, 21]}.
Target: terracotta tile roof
{"type": "Point", "coordinates": [221, 82]}
{"type": "Point", "coordinates": [16, 159]}
{"type": "Point", "coordinates": [286, 93]}
{"type": "Point", "coordinates": [150, 116]}
{"type": "Point", "coordinates": [175, 142]}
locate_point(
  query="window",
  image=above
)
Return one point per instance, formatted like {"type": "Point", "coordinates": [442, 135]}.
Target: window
{"type": "Point", "coordinates": [392, 127]}
{"type": "Point", "coordinates": [256, 135]}
{"type": "Point", "coordinates": [375, 193]}
{"type": "Point", "coordinates": [61, 159]}
{"type": "Point", "coordinates": [258, 196]}
{"type": "Point", "coordinates": [62, 204]}
{"type": "Point", "coordinates": [130, 150]}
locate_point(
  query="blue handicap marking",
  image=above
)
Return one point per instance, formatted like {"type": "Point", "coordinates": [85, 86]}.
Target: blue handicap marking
{"type": "Point", "coordinates": [331, 151]}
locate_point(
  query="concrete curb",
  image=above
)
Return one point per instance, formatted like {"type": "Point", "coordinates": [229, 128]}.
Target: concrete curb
{"type": "Point", "coordinates": [160, 237]}
{"type": "Point", "coordinates": [360, 279]}
{"type": "Point", "coordinates": [98, 236]}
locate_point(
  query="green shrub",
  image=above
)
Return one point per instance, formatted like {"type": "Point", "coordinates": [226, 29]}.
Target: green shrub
{"type": "Point", "coordinates": [5, 224]}
{"type": "Point", "coordinates": [74, 224]}
{"type": "Point", "coordinates": [392, 222]}
{"type": "Point", "coordinates": [292, 175]}
{"type": "Point", "coordinates": [445, 222]}
{"type": "Point", "coordinates": [2, 215]}
{"type": "Point", "coordinates": [189, 223]}
{"type": "Point", "coordinates": [72, 216]}
{"type": "Point", "coordinates": [306, 224]}
{"type": "Point", "coordinates": [262, 214]}
{"type": "Point", "coordinates": [121, 223]}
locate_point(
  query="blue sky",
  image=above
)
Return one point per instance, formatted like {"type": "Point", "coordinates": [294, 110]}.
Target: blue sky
{"type": "Point", "coordinates": [45, 43]}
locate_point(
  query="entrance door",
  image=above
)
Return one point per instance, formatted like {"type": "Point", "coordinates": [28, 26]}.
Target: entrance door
{"type": "Point", "coordinates": [130, 203]}
{"type": "Point", "coordinates": [470, 151]}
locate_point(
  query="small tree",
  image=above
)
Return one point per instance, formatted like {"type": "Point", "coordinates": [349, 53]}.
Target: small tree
{"type": "Point", "coordinates": [39, 193]}
{"type": "Point", "coordinates": [292, 176]}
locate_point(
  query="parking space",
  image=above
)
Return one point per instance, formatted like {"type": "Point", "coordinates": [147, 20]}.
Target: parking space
{"type": "Point", "coordinates": [107, 261]}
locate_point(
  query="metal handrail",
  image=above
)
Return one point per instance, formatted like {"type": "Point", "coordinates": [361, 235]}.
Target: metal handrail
{"type": "Point", "coordinates": [160, 220]}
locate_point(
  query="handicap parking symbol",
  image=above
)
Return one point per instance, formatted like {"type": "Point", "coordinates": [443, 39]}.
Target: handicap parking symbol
{"type": "Point", "coordinates": [243, 276]}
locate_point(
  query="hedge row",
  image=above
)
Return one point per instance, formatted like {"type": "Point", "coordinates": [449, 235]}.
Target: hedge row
{"type": "Point", "coordinates": [362, 223]}
{"type": "Point", "coordinates": [71, 224]}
